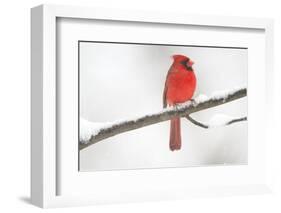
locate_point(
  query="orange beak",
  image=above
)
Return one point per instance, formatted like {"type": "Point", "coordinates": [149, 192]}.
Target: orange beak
{"type": "Point", "coordinates": [190, 63]}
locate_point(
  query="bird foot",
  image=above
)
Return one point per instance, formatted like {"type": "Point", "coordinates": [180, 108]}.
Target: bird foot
{"type": "Point", "coordinates": [193, 102]}
{"type": "Point", "coordinates": [177, 106]}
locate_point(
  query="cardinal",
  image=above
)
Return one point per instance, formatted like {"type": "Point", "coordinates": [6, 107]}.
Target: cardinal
{"type": "Point", "coordinates": [179, 87]}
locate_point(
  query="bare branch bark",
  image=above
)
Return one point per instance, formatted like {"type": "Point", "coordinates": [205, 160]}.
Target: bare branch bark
{"type": "Point", "coordinates": [207, 126]}
{"type": "Point", "coordinates": [181, 110]}
{"type": "Point", "coordinates": [197, 122]}
{"type": "Point", "coordinates": [237, 120]}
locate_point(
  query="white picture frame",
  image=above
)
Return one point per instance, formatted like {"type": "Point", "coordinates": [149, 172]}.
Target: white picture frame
{"type": "Point", "coordinates": [44, 150]}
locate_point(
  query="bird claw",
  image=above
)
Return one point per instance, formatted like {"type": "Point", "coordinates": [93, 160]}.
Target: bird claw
{"type": "Point", "coordinates": [176, 106]}
{"type": "Point", "coordinates": [193, 102]}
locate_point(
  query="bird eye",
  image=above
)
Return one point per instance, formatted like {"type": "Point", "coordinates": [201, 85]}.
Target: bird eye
{"type": "Point", "coordinates": [184, 62]}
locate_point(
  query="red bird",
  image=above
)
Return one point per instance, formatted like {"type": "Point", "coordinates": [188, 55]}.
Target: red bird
{"type": "Point", "coordinates": [179, 87]}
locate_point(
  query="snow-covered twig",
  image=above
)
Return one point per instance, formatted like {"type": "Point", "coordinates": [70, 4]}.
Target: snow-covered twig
{"type": "Point", "coordinates": [101, 132]}
{"type": "Point", "coordinates": [217, 120]}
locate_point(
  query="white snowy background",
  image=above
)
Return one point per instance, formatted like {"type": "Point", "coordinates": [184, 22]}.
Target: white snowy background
{"type": "Point", "coordinates": [122, 81]}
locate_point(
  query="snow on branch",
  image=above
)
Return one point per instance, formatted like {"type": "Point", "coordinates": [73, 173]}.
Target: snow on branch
{"type": "Point", "coordinates": [91, 133]}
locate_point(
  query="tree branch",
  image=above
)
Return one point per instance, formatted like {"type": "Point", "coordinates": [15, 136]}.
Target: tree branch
{"type": "Point", "coordinates": [207, 126]}
{"type": "Point", "coordinates": [181, 110]}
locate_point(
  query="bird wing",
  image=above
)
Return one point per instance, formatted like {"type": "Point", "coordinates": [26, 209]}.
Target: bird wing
{"type": "Point", "coordinates": [164, 96]}
{"type": "Point", "coordinates": [166, 88]}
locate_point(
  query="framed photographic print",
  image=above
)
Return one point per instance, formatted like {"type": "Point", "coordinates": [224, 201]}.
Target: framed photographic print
{"type": "Point", "coordinates": [130, 106]}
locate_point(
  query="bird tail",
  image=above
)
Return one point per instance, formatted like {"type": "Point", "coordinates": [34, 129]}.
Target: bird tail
{"type": "Point", "coordinates": [175, 134]}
